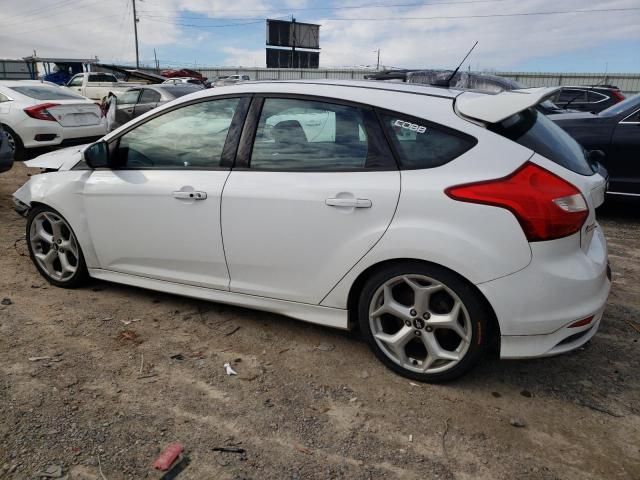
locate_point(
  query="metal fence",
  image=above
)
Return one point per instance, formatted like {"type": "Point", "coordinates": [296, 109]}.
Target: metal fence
{"type": "Point", "coordinates": [629, 83]}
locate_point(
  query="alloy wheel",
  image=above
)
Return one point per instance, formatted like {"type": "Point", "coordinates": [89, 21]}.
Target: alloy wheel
{"type": "Point", "coordinates": [420, 323]}
{"type": "Point", "coordinates": [11, 141]}
{"type": "Point", "coordinates": [54, 246]}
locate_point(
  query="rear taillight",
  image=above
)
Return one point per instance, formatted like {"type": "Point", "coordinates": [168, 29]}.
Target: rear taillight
{"type": "Point", "coordinates": [546, 206]}
{"type": "Point", "coordinates": [618, 95]}
{"type": "Point", "coordinates": [40, 111]}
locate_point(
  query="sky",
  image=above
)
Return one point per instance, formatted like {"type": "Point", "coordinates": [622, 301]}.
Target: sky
{"type": "Point", "coordinates": [513, 35]}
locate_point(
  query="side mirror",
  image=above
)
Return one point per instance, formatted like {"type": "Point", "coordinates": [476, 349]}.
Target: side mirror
{"type": "Point", "coordinates": [97, 155]}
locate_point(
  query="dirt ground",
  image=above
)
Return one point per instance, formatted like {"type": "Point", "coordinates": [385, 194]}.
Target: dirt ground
{"type": "Point", "coordinates": [128, 371]}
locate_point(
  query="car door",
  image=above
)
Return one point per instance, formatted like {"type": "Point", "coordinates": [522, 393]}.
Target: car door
{"type": "Point", "coordinates": [148, 100]}
{"type": "Point", "coordinates": [156, 212]}
{"type": "Point", "coordinates": [314, 188]}
{"type": "Point", "coordinates": [125, 105]}
{"type": "Point", "coordinates": [624, 156]}
{"type": "Point", "coordinates": [75, 83]}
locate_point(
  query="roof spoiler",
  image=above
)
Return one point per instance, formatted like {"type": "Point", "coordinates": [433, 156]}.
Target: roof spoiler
{"type": "Point", "coordinates": [496, 108]}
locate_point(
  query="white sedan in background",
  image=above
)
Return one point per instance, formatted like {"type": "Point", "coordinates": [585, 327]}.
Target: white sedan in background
{"type": "Point", "coordinates": [439, 222]}
{"type": "Point", "coordinates": [35, 114]}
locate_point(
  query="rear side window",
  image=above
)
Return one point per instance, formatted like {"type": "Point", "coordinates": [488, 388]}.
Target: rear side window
{"type": "Point", "coordinates": [46, 93]}
{"type": "Point", "coordinates": [102, 77]}
{"type": "Point", "coordinates": [149, 96]}
{"type": "Point", "coordinates": [534, 130]}
{"type": "Point", "coordinates": [422, 145]}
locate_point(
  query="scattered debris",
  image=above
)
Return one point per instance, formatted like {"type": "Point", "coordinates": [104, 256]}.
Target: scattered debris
{"type": "Point", "coordinates": [526, 393]}
{"type": "Point", "coordinates": [168, 456]}
{"type": "Point", "coordinates": [353, 399]}
{"type": "Point", "coordinates": [517, 422]}
{"type": "Point", "coordinates": [140, 377]}
{"type": "Point", "coordinates": [129, 336]}
{"type": "Point", "coordinates": [228, 334]}
{"type": "Point", "coordinates": [100, 468]}
{"type": "Point", "coordinates": [229, 449]}
{"type": "Point", "coordinates": [176, 356]}
{"type": "Point", "coordinates": [37, 359]}
{"type": "Point", "coordinates": [304, 450]}
{"type": "Point", "coordinates": [410, 438]}
{"type": "Point", "coordinates": [281, 351]}
{"type": "Point", "coordinates": [141, 362]}
{"type": "Point", "coordinates": [598, 408]}
{"type": "Point", "coordinates": [496, 394]}
{"type": "Point", "coordinates": [364, 374]}
{"type": "Point", "coordinates": [129, 322]}
{"type": "Point", "coordinates": [52, 471]}
{"type": "Point", "coordinates": [229, 370]}
{"type": "Point", "coordinates": [177, 468]}
{"type": "Point", "coordinates": [325, 347]}
{"type": "Point", "coordinates": [444, 437]}
{"type": "Point", "coordinates": [629, 322]}
{"type": "Point", "coordinates": [268, 403]}
{"type": "Point", "coordinates": [413, 384]}
{"type": "Point", "coordinates": [6, 301]}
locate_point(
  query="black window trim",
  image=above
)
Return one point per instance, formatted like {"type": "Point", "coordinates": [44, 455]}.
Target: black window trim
{"type": "Point", "coordinates": [245, 148]}
{"type": "Point", "coordinates": [230, 145]}
{"type": "Point", "coordinates": [429, 124]}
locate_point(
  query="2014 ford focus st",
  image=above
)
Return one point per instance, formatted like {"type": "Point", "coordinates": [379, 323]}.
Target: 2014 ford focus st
{"type": "Point", "coordinates": [438, 222]}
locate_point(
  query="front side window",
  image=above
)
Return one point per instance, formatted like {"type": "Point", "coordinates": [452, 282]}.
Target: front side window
{"type": "Point", "coordinates": [188, 137]}
{"type": "Point", "coordinates": [308, 135]}
{"type": "Point", "coordinates": [129, 97]}
{"type": "Point", "coordinates": [422, 145]}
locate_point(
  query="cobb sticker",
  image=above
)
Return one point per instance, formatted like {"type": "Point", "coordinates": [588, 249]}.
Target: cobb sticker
{"type": "Point", "coordinates": [414, 127]}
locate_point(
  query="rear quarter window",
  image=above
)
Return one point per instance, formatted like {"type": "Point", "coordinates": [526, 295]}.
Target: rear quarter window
{"type": "Point", "coordinates": [535, 131]}
{"type": "Point", "coordinates": [420, 144]}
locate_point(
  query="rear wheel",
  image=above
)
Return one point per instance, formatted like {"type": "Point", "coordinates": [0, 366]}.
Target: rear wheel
{"type": "Point", "coordinates": [15, 143]}
{"type": "Point", "coordinates": [54, 248]}
{"type": "Point", "coordinates": [423, 321]}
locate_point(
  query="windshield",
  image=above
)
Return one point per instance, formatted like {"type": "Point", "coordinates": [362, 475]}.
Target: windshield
{"type": "Point", "coordinates": [622, 107]}
{"type": "Point", "coordinates": [534, 130]}
{"type": "Point", "coordinates": [46, 93]}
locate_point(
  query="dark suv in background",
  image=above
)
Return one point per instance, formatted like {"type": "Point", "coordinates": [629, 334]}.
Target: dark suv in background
{"type": "Point", "coordinates": [6, 153]}
{"type": "Point", "coordinates": [588, 98]}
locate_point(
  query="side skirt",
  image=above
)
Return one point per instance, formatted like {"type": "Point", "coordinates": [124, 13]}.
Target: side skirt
{"type": "Point", "coordinates": [327, 316]}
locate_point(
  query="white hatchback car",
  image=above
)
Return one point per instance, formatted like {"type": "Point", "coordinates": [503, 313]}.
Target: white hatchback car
{"type": "Point", "coordinates": [439, 222]}
{"type": "Point", "coordinates": [36, 114]}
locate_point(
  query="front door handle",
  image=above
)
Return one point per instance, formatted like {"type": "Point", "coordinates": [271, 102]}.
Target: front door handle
{"type": "Point", "coordinates": [190, 195]}
{"type": "Point", "coordinates": [348, 202]}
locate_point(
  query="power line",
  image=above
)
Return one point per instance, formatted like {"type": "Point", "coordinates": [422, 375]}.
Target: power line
{"type": "Point", "coordinates": [44, 15]}
{"type": "Point", "coordinates": [351, 7]}
{"type": "Point", "coordinates": [494, 15]}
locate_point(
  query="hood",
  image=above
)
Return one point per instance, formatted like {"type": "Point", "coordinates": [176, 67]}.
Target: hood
{"type": "Point", "coordinates": [62, 159]}
{"type": "Point", "coordinates": [496, 108]}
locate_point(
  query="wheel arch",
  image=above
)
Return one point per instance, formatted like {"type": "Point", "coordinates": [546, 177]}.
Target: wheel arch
{"type": "Point", "coordinates": [493, 334]}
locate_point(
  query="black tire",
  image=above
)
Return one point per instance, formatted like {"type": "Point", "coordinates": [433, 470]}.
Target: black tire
{"type": "Point", "coordinates": [81, 274]}
{"type": "Point", "coordinates": [19, 152]}
{"type": "Point", "coordinates": [478, 316]}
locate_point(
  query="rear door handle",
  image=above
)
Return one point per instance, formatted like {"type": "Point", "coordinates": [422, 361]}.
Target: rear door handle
{"type": "Point", "coordinates": [190, 195]}
{"type": "Point", "coordinates": [348, 202]}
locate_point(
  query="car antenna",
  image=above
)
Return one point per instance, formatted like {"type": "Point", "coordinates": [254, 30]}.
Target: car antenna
{"type": "Point", "coordinates": [447, 82]}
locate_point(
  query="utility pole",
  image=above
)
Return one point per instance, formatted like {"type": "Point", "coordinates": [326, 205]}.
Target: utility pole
{"type": "Point", "coordinates": [156, 59]}
{"type": "Point", "coordinates": [293, 48]}
{"type": "Point", "coordinates": [378, 64]}
{"type": "Point", "coordinates": [135, 32]}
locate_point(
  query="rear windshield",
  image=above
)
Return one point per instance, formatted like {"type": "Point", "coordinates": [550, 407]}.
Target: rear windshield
{"type": "Point", "coordinates": [534, 130]}
{"type": "Point", "coordinates": [46, 93]}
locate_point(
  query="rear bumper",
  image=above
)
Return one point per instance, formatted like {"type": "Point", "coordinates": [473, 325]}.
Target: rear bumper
{"type": "Point", "coordinates": [55, 134]}
{"type": "Point", "coordinates": [536, 306]}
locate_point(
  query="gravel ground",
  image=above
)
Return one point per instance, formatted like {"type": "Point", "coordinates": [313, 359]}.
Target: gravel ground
{"type": "Point", "coordinates": [125, 371]}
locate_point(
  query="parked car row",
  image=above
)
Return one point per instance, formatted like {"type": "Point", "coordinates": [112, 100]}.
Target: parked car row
{"type": "Point", "coordinates": [440, 222]}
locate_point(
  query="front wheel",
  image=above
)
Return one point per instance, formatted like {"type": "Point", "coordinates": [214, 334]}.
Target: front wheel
{"type": "Point", "coordinates": [54, 248]}
{"type": "Point", "coordinates": [423, 321]}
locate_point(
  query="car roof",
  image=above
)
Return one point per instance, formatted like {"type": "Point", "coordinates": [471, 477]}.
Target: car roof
{"type": "Point", "coordinates": [417, 89]}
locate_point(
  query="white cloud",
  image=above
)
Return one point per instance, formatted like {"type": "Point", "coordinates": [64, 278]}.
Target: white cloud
{"type": "Point", "coordinates": [84, 28]}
